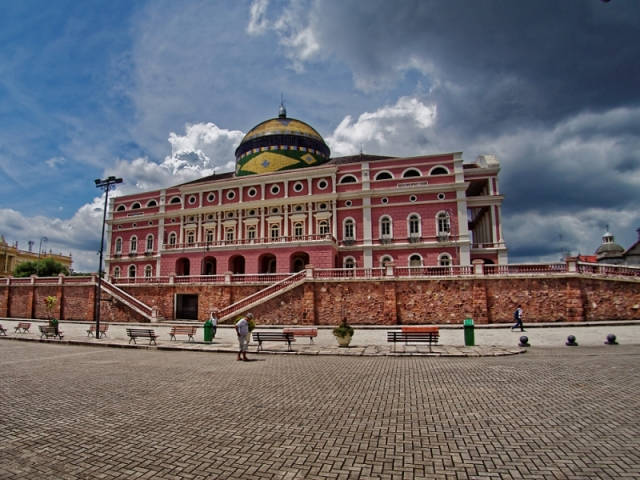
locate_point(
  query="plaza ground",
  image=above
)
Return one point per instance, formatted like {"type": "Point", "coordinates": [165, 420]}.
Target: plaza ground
{"type": "Point", "coordinates": [80, 412]}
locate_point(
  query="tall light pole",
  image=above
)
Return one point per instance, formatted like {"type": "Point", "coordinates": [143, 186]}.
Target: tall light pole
{"type": "Point", "coordinates": [105, 185]}
{"type": "Point", "coordinates": [42, 240]}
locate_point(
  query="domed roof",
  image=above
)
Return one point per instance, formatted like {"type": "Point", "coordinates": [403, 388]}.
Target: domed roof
{"type": "Point", "coordinates": [280, 144]}
{"type": "Point", "coordinates": [609, 248]}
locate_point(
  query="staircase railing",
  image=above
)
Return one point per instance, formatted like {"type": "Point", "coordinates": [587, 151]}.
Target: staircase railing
{"type": "Point", "coordinates": [129, 300]}
{"type": "Point", "coordinates": [263, 295]}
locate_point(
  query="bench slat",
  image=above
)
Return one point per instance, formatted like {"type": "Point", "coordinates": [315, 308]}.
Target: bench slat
{"type": "Point", "coordinates": [273, 337]}
{"type": "Point", "coordinates": [134, 333]}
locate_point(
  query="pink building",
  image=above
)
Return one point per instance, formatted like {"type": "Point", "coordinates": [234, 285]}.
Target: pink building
{"type": "Point", "coordinates": [288, 204]}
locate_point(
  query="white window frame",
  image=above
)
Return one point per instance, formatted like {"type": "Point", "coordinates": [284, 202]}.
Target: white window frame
{"type": "Point", "coordinates": [384, 172]}
{"type": "Point", "coordinates": [133, 244]}
{"type": "Point", "coordinates": [445, 260]}
{"type": "Point", "coordinates": [417, 234]}
{"type": "Point", "coordinates": [446, 223]}
{"type": "Point", "coordinates": [447, 171]}
{"type": "Point", "coordinates": [381, 224]}
{"type": "Point", "coordinates": [404, 173]}
{"type": "Point", "coordinates": [347, 260]}
{"type": "Point", "coordinates": [173, 238]}
{"type": "Point", "coordinates": [135, 271]}
{"type": "Point", "coordinates": [348, 223]}
{"type": "Point", "coordinates": [415, 255]}
{"type": "Point", "coordinates": [149, 248]}
{"type": "Point", "coordinates": [323, 227]}
{"type": "Point", "coordinates": [148, 271]}
{"type": "Point", "coordinates": [118, 248]}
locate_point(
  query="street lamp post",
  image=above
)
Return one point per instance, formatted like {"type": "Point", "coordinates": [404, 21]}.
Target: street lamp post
{"type": "Point", "coordinates": [42, 240]}
{"type": "Point", "coordinates": [105, 184]}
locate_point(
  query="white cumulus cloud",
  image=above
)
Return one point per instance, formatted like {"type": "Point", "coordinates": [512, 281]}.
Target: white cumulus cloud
{"type": "Point", "coordinates": [401, 129]}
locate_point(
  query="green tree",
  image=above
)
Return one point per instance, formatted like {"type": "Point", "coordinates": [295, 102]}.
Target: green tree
{"type": "Point", "coordinates": [45, 267]}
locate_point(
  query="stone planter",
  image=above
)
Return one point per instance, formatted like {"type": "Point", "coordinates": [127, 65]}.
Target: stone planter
{"type": "Point", "coordinates": [343, 341]}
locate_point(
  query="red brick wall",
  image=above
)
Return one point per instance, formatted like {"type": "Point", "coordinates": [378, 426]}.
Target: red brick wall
{"type": "Point", "coordinates": [382, 302]}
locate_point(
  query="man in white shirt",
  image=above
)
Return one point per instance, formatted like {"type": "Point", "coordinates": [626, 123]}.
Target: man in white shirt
{"type": "Point", "coordinates": [242, 329]}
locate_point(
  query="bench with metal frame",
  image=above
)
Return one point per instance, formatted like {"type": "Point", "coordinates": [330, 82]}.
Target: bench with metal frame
{"type": "Point", "coordinates": [273, 337]}
{"type": "Point", "coordinates": [134, 333]}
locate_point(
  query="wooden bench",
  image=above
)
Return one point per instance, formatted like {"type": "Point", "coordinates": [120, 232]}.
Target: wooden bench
{"type": "Point", "coordinates": [22, 327]}
{"type": "Point", "coordinates": [428, 335]}
{"type": "Point", "coordinates": [46, 332]}
{"type": "Point", "coordinates": [3, 331]}
{"type": "Point", "coordinates": [183, 330]}
{"type": "Point", "coordinates": [302, 332]}
{"type": "Point", "coordinates": [103, 330]}
{"type": "Point", "coordinates": [273, 337]}
{"type": "Point", "coordinates": [134, 333]}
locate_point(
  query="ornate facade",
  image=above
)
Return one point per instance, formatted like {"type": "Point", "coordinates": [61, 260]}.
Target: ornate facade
{"type": "Point", "coordinates": [288, 204]}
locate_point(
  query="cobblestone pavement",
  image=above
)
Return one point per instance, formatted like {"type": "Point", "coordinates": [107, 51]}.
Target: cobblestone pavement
{"type": "Point", "coordinates": [82, 412]}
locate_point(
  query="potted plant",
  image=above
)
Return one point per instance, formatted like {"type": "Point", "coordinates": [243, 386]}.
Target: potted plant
{"type": "Point", "coordinates": [343, 333]}
{"type": "Point", "coordinates": [50, 305]}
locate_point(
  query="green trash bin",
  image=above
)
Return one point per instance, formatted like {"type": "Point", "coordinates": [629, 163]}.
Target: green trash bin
{"type": "Point", "coordinates": [469, 335]}
{"type": "Point", "coordinates": [208, 331]}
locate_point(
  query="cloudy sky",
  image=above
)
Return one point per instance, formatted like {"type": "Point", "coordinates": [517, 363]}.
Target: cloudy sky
{"type": "Point", "coordinates": [161, 92]}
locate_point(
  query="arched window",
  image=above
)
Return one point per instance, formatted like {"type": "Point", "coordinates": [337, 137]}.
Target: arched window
{"type": "Point", "coordinates": [444, 260]}
{"type": "Point", "coordinates": [385, 227]}
{"type": "Point", "coordinates": [116, 272]}
{"type": "Point", "coordinates": [298, 229]}
{"type": "Point", "coordinates": [132, 271]}
{"type": "Point", "coordinates": [384, 175]}
{"type": "Point", "coordinates": [414, 226]}
{"type": "Point", "coordinates": [349, 262]}
{"type": "Point", "coordinates": [133, 244]}
{"type": "Point", "coordinates": [173, 238]}
{"type": "Point", "coordinates": [135, 206]}
{"type": "Point", "coordinates": [121, 208]}
{"type": "Point", "coordinates": [349, 229]}
{"type": "Point", "coordinates": [384, 260]}
{"type": "Point", "coordinates": [348, 179]}
{"type": "Point", "coordinates": [439, 170]}
{"type": "Point", "coordinates": [149, 243]}
{"type": "Point", "coordinates": [323, 227]}
{"type": "Point", "coordinates": [443, 223]}
{"type": "Point", "coordinates": [229, 234]}
{"type": "Point", "coordinates": [415, 260]}
{"type": "Point", "coordinates": [148, 271]}
{"type": "Point", "coordinates": [152, 203]}
{"type": "Point", "coordinates": [251, 232]}
{"type": "Point", "coordinates": [175, 200]}
{"type": "Point", "coordinates": [411, 172]}
{"type": "Point", "coordinates": [210, 236]}
{"type": "Point", "coordinates": [191, 237]}
{"type": "Point", "coordinates": [274, 231]}
{"type": "Point", "coordinates": [118, 245]}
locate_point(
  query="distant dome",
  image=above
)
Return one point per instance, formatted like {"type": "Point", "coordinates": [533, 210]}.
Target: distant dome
{"type": "Point", "coordinates": [609, 248]}
{"type": "Point", "coordinates": [280, 144]}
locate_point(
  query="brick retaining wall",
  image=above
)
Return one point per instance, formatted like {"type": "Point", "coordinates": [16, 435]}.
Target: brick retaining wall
{"type": "Point", "coordinates": [371, 302]}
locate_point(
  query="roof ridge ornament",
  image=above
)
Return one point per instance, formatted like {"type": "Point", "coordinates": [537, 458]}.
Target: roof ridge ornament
{"type": "Point", "coordinates": [282, 112]}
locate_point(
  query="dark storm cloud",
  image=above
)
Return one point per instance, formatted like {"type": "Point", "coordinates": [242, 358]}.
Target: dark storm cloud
{"type": "Point", "coordinates": [494, 64]}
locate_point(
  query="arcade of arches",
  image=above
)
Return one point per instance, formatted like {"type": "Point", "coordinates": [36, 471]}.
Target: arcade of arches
{"type": "Point", "coordinates": [267, 263]}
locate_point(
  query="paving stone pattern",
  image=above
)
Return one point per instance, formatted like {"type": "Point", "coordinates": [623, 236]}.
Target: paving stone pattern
{"type": "Point", "coordinates": [79, 412]}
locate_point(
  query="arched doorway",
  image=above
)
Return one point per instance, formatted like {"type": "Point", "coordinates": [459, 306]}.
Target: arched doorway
{"type": "Point", "coordinates": [268, 263]}
{"type": "Point", "coordinates": [298, 261]}
{"type": "Point", "coordinates": [236, 264]}
{"type": "Point", "coordinates": [183, 267]}
{"type": "Point", "coordinates": [209, 266]}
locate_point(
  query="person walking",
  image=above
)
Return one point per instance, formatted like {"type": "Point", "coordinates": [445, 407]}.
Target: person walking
{"type": "Point", "coordinates": [517, 316]}
{"type": "Point", "coordinates": [213, 318]}
{"type": "Point", "coordinates": [242, 329]}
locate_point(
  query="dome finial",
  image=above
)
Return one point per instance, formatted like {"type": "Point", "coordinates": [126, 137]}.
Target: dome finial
{"type": "Point", "coordinates": [282, 113]}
